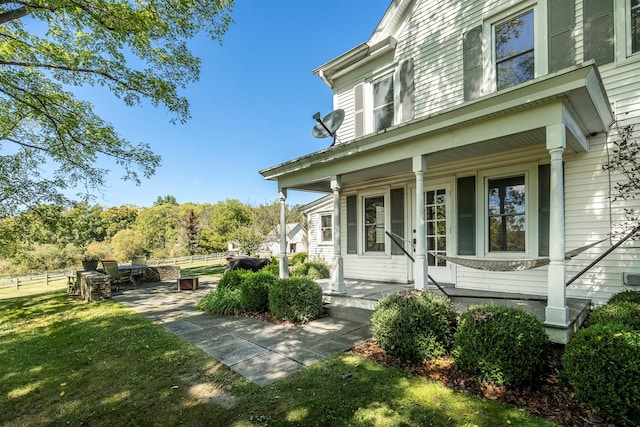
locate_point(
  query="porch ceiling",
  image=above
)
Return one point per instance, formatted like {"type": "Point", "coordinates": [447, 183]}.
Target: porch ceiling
{"type": "Point", "coordinates": [500, 122]}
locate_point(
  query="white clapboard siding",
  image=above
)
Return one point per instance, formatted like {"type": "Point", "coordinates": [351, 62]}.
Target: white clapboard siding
{"type": "Point", "coordinates": [320, 251]}
{"type": "Point", "coordinates": [432, 36]}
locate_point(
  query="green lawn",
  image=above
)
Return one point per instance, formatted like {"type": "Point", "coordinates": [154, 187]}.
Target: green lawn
{"type": "Point", "coordinates": [204, 270]}
{"type": "Point", "coordinates": [64, 362]}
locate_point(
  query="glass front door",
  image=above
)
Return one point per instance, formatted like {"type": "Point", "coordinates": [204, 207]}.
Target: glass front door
{"type": "Point", "coordinates": [437, 231]}
{"type": "Point", "coordinates": [435, 206]}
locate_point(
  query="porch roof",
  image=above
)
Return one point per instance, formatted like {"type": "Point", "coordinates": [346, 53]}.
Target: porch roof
{"type": "Point", "coordinates": [504, 120]}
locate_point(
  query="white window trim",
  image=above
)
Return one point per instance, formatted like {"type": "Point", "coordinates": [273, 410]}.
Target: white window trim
{"type": "Point", "coordinates": [369, 118]}
{"type": "Point", "coordinates": [385, 192]}
{"type": "Point", "coordinates": [372, 115]}
{"type": "Point", "coordinates": [320, 241]}
{"type": "Point", "coordinates": [540, 37]}
{"type": "Point", "coordinates": [530, 172]}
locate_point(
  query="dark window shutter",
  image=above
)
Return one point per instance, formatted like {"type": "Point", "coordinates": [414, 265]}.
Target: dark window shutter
{"type": "Point", "coordinates": [544, 189]}
{"type": "Point", "coordinates": [472, 59]}
{"type": "Point", "coordinates": [397, 220]}
{"type": "Point", "coordinates": [467, 215]}
{"type": "Point", "coordinates": [405, 94]}
{"type": "Point", "coordinates": [598, 31]}
{"type": "Point", "coordinates": [352, 225]}
{"type": "Point", "coordinates": [359, 109]}
{"type": "Point", "coordinates": [561, 21]}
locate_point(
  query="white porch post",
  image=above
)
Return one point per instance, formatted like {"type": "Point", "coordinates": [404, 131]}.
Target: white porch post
{"type": "Point", "coordinates": [337, 274]}
{"type": "Point", "coordinates": [284, 261]}
{"type": "Point", "coordinates": [420, 273]}
{"type": "Point", "coordinates": [557, 312]}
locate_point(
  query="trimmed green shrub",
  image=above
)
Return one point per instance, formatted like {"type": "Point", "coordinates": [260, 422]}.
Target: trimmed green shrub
{"type": "Point", "coordinates": [296, 299]}
{"type": "Point", "coordinates": [414, 325]}
{"type": "Point", "coordinates": [602, 363]}
{"type": "Point", "coordinates": [500, 345]}
{"type": "Point", "coordinates": [254, 292]}
{"type": "Point", "coordinates": [298, 258]}
{"type": "Point", "coordinates": [271, 269]}
{"type": "Point", "coordinates": [312, 270]}
{"type": "Point", "coordinates": [233, 279]}
{"type": "Point", "coordinates": [626, 296]}
{"type": "Point", "coordinates": [222, 301]}
{"type": "Point", "coordinates": [622, 312]}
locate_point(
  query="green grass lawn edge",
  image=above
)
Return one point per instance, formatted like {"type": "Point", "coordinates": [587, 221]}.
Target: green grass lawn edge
{"type": "Point", "coordinates": [64, 362]}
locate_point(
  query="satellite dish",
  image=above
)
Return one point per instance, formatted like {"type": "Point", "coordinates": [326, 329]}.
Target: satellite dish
{"type": "Point", "coordinates": [328, 125]}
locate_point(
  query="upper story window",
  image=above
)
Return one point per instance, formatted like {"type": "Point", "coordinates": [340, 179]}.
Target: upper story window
{"type": "Point", "coordinates": [383, 106]}
{"type": "Point", "coordinates": [511, 47]}
{"type": "Point", "coordinates": [385, 101]}
{"type": "Point", "coordinates": [635, 26]}
{"type": "Point", "coordinates": [326, 228]}
{"type": "Point", "coordinates": [514, 50]}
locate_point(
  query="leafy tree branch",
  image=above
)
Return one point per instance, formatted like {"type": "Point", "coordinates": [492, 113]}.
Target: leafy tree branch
{"type": "Point", "coordinates": [50, 139]}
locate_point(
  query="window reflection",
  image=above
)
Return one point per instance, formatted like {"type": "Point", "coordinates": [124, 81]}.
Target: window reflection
{"type": "Point", "coordinates": [507, 214]}
{"type": "Point", "coordinates": [514, 50]}
{"type": "Point", "coordinates": [374, 224]}
{"type": "Point", "coordinates": [383, 103]}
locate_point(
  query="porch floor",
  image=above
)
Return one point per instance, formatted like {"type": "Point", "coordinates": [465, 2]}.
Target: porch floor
{"type": "Point", "coordinates": [365, 294]}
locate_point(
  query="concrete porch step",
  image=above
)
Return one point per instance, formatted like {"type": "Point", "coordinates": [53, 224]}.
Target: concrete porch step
{"type": "Point", "coordinates": [352, 314]}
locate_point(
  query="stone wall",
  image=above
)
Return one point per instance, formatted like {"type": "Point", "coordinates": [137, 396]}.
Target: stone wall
{"type": "Point", "coordinates": [162, 273]}
{"type": "Point", "coordinates": [94, 286]}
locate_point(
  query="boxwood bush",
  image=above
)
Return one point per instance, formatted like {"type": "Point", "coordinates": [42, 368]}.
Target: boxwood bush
{"type": "Point", "coordinates": [500, 345]}
{"type": "Point", "coordinates": [298, 258]}
{"type": "Point", "coordinates": [312, 270]}
{"type": "Point", "coordinates": [626, 296]}
{"type": "Point", "coordinates": [296, 299]}
{"type": "Point", "coordinates": [621, 312]}
{"type": "Point", "coordinates": [414, 325]}
{"type": "Point", "coordinates": [602, 363]}
{"type": "Point", "coordinates": [254, 292]}
{"type": "Point", "coordinates": [271, 269]}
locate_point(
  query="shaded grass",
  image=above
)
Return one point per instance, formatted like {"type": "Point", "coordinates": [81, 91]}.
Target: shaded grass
{"type": "Point", "coordinates": [63, 362]}
{"type": "Point", "coordinates": [204, 270]}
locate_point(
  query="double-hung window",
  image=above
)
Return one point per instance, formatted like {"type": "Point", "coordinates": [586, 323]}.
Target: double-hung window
{"type": "Point", "coordinates": [374, 224]}
{"type": "Point", "coordinates": [507, 214]}
{"type": "Point", "coordinates": [383, 107]}
{"type": "Point", "coordinates": [514, 50]}
{"type": "Point", "coordinates": [326, 228]}
{"type": "Point", "coordinates": [384, 101]}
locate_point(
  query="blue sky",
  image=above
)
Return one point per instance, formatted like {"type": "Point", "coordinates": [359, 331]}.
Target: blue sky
{"type": "Point", "coordinates": [252, 107]}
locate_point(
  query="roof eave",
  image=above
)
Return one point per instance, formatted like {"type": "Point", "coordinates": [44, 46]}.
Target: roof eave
{"type": "Point", "coordinates": [584, 79]}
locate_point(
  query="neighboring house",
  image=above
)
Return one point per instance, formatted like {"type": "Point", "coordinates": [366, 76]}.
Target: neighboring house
{"type": "Point", "coordinates": [296, 240]}
{"type": "Point", "coordinates": [319, 215]}
{"type": "Point", "coordinates": [478, 130]}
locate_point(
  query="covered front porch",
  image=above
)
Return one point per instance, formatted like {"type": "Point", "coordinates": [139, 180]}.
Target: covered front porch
{"type": "Point", "coordinates": [365, 294]}
{"type": "Point", "coordinates": [393, 182]}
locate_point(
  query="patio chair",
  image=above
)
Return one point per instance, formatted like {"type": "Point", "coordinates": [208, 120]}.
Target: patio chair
{"type": "Point", "coordinates": [116, 276]}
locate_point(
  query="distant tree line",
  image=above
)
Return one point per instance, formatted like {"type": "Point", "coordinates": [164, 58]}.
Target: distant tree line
{"type": "Point", "coordinates": [51, 237]}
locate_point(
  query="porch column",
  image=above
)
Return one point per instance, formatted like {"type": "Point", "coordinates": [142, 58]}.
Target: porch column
{"type": "Point", "coordinates": [420, 273]}
{"type": "Point", "coordinates": [284, 261]}
{"type": "Point", "coordinates": [557, 312]}
{"type": "Point", "coordinates": [337, 274]}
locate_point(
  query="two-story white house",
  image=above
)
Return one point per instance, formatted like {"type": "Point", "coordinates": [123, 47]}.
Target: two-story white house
{"type": "Point", "coordinates": [477, 130]}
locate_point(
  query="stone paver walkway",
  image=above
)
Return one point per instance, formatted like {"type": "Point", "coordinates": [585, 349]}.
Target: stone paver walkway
{"type": "Point", "coordinates": [259, 350]}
